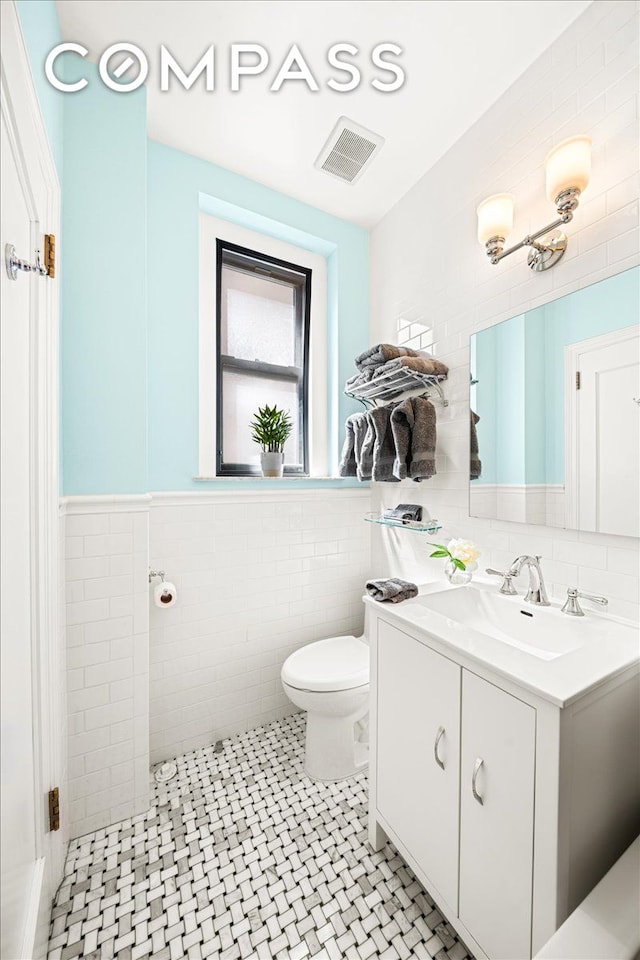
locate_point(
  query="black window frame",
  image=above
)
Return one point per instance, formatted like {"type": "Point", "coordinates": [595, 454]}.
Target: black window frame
{"type": "Point", "coordinates": [287, 272]}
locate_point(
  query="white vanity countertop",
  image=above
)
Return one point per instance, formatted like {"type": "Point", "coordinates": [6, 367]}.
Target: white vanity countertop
{"type": "Point", "coordinates": [610, 646]}
{"type": "Point", "coordinates": [606, 925]}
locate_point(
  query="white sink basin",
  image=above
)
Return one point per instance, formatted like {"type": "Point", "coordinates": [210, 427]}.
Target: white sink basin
{"type": "Point", "coordinates": [540, 631]}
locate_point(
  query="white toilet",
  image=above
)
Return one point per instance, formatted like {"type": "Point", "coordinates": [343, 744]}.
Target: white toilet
{"type": "Point", "coordinates": [330, 680]}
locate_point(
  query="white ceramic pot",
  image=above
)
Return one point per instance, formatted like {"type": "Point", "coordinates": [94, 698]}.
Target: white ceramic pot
{"type": "Point", "coordinates": [272, 464]}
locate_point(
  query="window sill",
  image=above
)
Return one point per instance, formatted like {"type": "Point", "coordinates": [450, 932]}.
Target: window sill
{"type": "Point", "coordinates": [275, 481]}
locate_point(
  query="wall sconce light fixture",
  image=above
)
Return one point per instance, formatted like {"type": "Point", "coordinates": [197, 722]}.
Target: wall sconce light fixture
{"type": "Point", "coordinates": [567, 168]}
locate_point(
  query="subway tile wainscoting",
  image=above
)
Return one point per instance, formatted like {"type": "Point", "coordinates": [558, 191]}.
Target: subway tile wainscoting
{"type": "Point", "coordinates": [107, 631]}
{"type": "Point", "coordinates": [432, 286]}
{"type": "Point", "coordinates": [258, 574]}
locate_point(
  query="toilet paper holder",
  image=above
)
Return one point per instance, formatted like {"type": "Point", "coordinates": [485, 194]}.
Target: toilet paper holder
{"type": "Point", "coordinates": [154, 574]}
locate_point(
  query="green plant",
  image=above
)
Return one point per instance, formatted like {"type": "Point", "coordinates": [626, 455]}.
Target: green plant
{"type": "Point", "coordinates": [271, 428]}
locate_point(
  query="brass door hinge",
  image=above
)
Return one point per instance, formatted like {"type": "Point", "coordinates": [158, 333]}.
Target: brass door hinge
{"type": "Point", "coordinates": [578, 380]}
{"type": "Point", "coordinates": [50, 254]}
{"type": "Point", "coordinates": [54, 809]}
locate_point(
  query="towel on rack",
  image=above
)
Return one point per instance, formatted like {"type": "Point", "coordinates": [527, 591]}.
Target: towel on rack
{"type": "Point", "coordinates": [364, 460]}
{"type": "Point", "coordinates": [359, 378]}
{"type": "Point", "coordinates": [384, 450]}
{"type": "Point", "coordinates": [393, 590]}
{"type": "Point", "coordinates": [375, 356]}
{"type": "Point", "coordinates": [347, 466]}
{"type": "Point", "coordinates": [413, 423]}
{"type": "Point", "coordinates": [361, 425]}
{"type": "Point", "coordinates": [475, 465]}
{"type": "Point", "coordinates": [419, 364]}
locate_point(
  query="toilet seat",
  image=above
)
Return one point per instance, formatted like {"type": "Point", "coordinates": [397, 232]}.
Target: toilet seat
{"type": "Point", "coordinates": [339, 663]}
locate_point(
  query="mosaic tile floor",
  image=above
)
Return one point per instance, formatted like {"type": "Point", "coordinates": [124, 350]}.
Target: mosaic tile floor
{"type": "Point", "coordinates": [242, 857]}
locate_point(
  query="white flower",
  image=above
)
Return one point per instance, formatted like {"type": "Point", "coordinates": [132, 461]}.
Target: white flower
{"type": "Point", "coordinates": [466, 551]}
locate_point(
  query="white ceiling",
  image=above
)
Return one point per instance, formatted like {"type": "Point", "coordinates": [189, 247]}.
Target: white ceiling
{"type": "Point", "coordinates": [459, 57]}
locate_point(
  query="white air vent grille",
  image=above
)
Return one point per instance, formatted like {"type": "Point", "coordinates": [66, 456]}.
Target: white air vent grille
{"type": "Point", "coordinates": [349, 150]}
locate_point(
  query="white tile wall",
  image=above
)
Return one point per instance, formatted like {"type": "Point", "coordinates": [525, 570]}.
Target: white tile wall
{"type": "Point", "coordinates": [428, 271]}
{"type": "Point", "coordinates": [107, 632]}
{"type": "Point", "coordinates": [258, 576]}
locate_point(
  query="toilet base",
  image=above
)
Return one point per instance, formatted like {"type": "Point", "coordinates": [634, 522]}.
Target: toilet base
{"type": "Point", "coordinates": [332, 751]}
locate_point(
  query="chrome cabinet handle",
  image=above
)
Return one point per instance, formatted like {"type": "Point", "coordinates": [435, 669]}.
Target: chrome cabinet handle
{"type": "Point", "coordinates": [439, 736]}
{"type": "Point", "coordinates": [476, 770]}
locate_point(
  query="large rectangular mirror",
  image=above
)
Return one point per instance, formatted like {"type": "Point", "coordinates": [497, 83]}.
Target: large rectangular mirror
{"type": "Point", "coordinates": [555, 412]}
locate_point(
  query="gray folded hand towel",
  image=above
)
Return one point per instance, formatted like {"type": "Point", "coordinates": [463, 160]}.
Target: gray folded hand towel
{"type": "Point", "coordinates": [359, 378]}
{"type": "Point", "coordinates": [423, 439]}
{"type": "Point", "coordinates": [361, 427]}
{"type": "Point", "coordinates": [384, 450]}
{"type": "Point", "coordinates": [375, 356]}
{"type": "Point", "coordinates": [364, 462]}
{"type": "Point", "coordinates": [401, 426]}
{"type": "Point", "coordinates": [347, 466]}
{"type": "Point", "coordinates": [475, 465]}
{"type": "Point", "coordinates": [413, 423]}
{"type": "Point", "coordinates": [421, 363]}
{"type": "Point", "coordinates": [393, 590]}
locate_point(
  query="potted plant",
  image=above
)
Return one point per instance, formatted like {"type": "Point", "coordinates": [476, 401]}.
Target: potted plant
{"type": "Point", "coordinates": [271, 428]}
{"type": "Point", "coordinates": [461, 557]}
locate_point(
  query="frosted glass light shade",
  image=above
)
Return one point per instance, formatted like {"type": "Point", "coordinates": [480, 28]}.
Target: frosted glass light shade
{"type": "Point", "coordinates": [568, 166]}
{"type": "Point", "coordinates": [495, 217]}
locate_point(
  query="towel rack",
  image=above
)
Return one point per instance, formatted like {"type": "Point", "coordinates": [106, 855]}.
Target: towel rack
{"type": "Point", "coordinates": [394, 384]}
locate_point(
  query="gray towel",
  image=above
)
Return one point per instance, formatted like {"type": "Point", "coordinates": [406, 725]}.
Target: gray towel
{"type": "Point", "coordinates": [394, 590]}
{"type": "Point", "coordinates": [375, 356]}
{"type": "Point", "coordinates": [361, 427]}
{"type": "Point", "coordinates": [384, 450]}
{"type": "Point", "coordinates": [475, 466]}
{"type": "Point", "coordinates": [347, 466]}
{"type": "Point", "coordinates": [423, 439]}
{"type": "Point", "coordinates": [413, 423]}
{"type": "Point", "coordinates": [364, 462]}
{"type": "Point", "coordinates": [421, 363]}
{"type": "Point", "coordinates": [359, 378]}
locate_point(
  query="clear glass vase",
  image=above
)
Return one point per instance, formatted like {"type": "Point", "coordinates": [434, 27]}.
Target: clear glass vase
{"type": "Point", "coordinates": [456, 576]}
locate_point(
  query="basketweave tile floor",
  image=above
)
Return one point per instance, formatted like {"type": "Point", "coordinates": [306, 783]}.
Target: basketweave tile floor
{"type": "Point", "coordinates": [243, 856]}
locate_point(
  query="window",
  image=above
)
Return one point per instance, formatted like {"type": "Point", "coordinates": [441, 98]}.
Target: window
{"type": "Point", "coordinates": [262, 321]}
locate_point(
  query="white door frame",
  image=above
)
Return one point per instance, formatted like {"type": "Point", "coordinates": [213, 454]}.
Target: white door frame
{"type": "Point", "coordinates": [27, 131]}
{"type": "Point", "coordinates": [572, 354]}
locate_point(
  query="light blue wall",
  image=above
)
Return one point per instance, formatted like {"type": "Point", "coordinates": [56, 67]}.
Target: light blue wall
{"type": "Point", "coordinates": [41, 30]}
{"type": "Point", "coordinates": [104, 308]}
{"type": "Point", "coordinates": [520, 368]}
{"type": "Point", "coordinates": [179, 186]}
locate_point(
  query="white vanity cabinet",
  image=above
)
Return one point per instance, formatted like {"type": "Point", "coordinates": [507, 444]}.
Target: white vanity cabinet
{"type": "Point", "coordinates": [508, 808]}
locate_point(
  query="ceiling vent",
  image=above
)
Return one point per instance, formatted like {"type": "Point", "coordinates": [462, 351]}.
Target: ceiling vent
{"type": "Point", "coordinates": [348, 151]}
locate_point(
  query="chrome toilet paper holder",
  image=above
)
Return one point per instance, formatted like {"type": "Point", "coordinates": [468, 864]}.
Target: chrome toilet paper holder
{"type": "Point", "coordinates": [155, 574]}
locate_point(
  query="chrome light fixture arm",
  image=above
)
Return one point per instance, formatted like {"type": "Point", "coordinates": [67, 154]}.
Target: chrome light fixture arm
{"type": "Point", "coordinates": [542, 255]}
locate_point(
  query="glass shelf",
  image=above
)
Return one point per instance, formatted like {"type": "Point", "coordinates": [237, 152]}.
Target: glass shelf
{"type": "Point", "coordinates": [420, 526]}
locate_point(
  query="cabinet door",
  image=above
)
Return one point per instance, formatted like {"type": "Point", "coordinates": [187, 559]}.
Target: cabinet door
{"type": "Point", "coordinates": [496, 818]}
{"type": "Point", "coordinates": [418, 754]}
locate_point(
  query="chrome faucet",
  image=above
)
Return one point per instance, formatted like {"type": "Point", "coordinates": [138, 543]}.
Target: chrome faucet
{"type": "Point", "coordinates": [537, 592]}
{"type": "Point", "coordinates": [573, 608]}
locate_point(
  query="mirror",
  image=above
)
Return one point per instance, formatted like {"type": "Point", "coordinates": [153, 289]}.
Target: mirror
{"type": "Point", "coordinates": [555, 412]}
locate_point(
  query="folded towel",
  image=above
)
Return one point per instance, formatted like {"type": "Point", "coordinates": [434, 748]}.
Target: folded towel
{"type": "Point", "coordinates": [375, 356]}
{"type": "Point", "coordinates": [361, 427]}
{"type": "Point", "coordinates": [419, 363]}
{"type": "Point", "coordinates": [359, 378]}
{"type": "Point", "coordinates": [394, 590]}
{"type": "Point", "coordinates": [423, 439]}
{"type": "Point", "coordinates": [475, 466]}
{"type": "Point", "coordinates": [384, 450]}
{"type": "Point", "coordinates": [364, 462]}
{"type": "Point", "coordinates": [347, 466]}
{"type": "Point", "coordinates": [413, 423]}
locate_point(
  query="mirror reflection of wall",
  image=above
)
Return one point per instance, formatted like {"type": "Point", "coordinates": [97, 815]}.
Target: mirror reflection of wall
{"type": "Point", "coordinates": [557, 394]}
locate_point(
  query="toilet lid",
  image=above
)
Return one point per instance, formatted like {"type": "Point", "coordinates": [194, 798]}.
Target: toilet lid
{"type": "Point", "coordinates": [339, 663]}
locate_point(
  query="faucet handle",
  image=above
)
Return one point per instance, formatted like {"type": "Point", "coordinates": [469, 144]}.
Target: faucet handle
{"type": "Point", "coordinates": [507, 586]}
{"type": "Point", "coordinates": [573, 608]}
